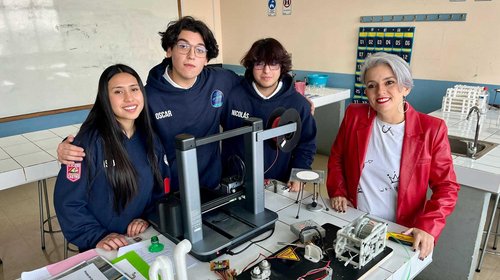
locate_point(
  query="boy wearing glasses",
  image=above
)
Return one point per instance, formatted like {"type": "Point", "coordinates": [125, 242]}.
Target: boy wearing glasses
{"type": "Point", "coordinates": [267, 86]}
{"type": "Point", "coordinates": [187, 97]}
{"type": "Point", "coordinates": [184, 96]}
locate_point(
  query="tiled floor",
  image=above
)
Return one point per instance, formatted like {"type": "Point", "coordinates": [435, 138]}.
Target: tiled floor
{"type": "Point", "coordinates": [20, 236]}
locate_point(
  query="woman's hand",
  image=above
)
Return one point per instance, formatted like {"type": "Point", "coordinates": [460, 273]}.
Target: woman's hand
{"type": "Point", "coordinates": [68, 153]}
{"type": "Point", "coordinates": [340, 203]}
{"type": "Point", "coordinates": [423, 241]}
{"type": "Point", "coordinates": [112, 241]}
{"type": "Point", "coordinates": [136, 227]}
{"type": "Point", "coordinates": [294, 186]}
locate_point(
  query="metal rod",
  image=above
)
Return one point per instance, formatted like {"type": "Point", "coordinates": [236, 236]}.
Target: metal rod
{"type": "Point", "coordinates": [277, 131]}
{"type": "Point", "coordinates": [302, 186]}
{"type": "Point", "coordinates": [488, 231]}
{"type": "Point", "coordinates": [496, 232]}
{"type": "Point", "coordinates": [223, 135]}
{"type": "Point", "coordinates": [47, 206]}
{"type": "Point", "coordinates": [65, 248]}
{"type": "Point", "coordinates": [40, 207]}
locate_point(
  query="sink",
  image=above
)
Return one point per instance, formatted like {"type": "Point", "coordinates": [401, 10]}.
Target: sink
{"type": "Point", "coordinates": [458, 146]}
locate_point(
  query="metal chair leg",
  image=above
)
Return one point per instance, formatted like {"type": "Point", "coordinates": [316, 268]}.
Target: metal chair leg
{"type": "Point", "coordinates": [496, 234]}
{"type": "Point", "coordinates": [43, 198]}
{"type": "Point", "coordinates": [47, 205]}
{"type": "Point", "coordinates": [40, 206]}
{"type": "Point", "coordinates": [65, 248]}
{"type": "Point", "coordinates": [488, 231]}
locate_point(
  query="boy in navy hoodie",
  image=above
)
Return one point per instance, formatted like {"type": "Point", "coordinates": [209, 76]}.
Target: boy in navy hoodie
{"type": "Point", "coordinates": [267, 86]}
{"type": "Point", "coordinates": [184, 97]}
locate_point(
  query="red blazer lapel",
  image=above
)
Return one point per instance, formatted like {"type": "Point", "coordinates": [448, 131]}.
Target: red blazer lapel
{"type": "Point", "coordinates": [412, 148]}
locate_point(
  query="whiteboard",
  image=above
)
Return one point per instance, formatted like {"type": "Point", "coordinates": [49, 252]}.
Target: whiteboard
{"type": "Point", "coordinates": [52, 52]}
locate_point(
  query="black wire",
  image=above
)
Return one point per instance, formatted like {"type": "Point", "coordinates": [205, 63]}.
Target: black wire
{"type": "Point", "coordinates": [319, 234]}
{"type": "Point", "coordinates": [320, 238]}
{"type": "Point", "coordinates": [235, 160]}
{"type": "Point", "coordinates": [243, 170]}
{"type": "Point", "coordinates": [231, 253]}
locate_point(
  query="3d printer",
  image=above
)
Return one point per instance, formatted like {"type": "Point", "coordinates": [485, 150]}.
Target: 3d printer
{"type": "Point", "coordinates": [223, 223]}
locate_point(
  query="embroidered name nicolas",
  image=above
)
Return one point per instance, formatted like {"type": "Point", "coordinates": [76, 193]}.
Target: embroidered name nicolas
{"type": "Point", "coordinates": [239, 114]}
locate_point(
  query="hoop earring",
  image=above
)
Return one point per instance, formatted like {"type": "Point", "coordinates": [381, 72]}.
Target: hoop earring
{"type": "Point", "coordinates": [404, 105]}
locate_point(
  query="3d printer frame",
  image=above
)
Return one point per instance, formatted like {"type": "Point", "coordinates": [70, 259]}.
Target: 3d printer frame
{"type": "Point", "coordinates": [215, 231]}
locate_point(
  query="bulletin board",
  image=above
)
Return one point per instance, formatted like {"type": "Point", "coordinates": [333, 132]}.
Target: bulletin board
{"type": "Point", "coordinates": [53, 52]}
{"type": "Point", "coordinates": [394, 40]}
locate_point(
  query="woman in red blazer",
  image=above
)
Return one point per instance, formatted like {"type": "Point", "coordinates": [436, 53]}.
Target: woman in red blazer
{"type": "Point", "coordinates": [387, 172]}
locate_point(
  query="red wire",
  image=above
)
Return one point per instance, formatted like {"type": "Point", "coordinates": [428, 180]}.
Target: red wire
{"type": "Point", "coordinates": [315, 271]}
{"type": "Point", "coordinates": [260, 254]}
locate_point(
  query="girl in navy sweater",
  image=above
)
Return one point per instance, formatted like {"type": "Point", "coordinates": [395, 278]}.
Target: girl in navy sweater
{"type": "Point", "coordinates": [102, 199]}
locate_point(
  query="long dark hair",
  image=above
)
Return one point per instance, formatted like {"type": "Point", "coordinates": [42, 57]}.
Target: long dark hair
{"type": "Point", "coordinates": [268, 50]}
{"type": "Point", "coordinates": [171, 35]}
{"type": "Point", "coordinates": [120, 172]}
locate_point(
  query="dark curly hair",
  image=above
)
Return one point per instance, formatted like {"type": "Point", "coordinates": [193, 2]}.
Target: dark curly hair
{"type": "Point", "coordinates": [171, 35]}
{"type": "Point", "coordinates": [267, 50]}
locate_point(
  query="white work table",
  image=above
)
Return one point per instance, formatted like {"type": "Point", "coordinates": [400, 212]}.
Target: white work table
{"type": "Point", "coordinates": [30, 157]}
{"type": "Point", "coordinates": [402, 264]}
{"type": "Point", "coordinates": [330, 108]}
{"type": "Point", "coordinates": [402, 261]}
{"type": "Point", "coordinates": [322, 96]}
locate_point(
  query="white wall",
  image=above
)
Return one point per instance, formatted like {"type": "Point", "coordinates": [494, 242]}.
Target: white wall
{"type": "Point", "coordinates": [209, 12]}
{"type": "Point", "coordinates": [322, 35]}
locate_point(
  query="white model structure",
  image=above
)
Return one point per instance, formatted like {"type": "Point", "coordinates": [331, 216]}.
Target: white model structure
{"type": "Point", "coordinates": [364, 238]}
{"type": "Point", "coordinates": [461, 98]}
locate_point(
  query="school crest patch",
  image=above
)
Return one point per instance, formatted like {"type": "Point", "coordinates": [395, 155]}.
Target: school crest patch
{"type": "Point", "coordinates": [73, 172]}
{"type": "Point", "coordinates": [217, 98]}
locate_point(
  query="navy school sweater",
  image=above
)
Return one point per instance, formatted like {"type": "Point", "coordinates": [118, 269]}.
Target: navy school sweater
{"type": "Point", "coordinates": [83, 200]}
{"type": "Point", "coordinates": [245, 102]}
{"type": "Point", "coordinates": [194, 111]}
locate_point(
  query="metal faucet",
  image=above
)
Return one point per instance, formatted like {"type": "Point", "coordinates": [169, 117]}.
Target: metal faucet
{"type": "Point", "coordinates": [472, 147]}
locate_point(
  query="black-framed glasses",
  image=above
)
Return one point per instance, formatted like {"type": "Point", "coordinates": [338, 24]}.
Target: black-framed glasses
{"type": "Point", "coordinates": [260, 65]}
{"type": "Point", "coordinates": [185, 48]}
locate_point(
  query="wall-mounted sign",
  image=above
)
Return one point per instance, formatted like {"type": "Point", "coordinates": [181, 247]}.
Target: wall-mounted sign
{"type": "Point", "coordinates": [271, 8]}
{"type": "Point", "coordinates": [287, 7]}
